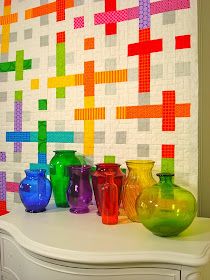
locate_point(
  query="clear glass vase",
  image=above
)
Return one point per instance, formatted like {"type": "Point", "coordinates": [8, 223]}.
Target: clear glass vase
{"type": "Point", "coordinates": [35, 191]}
{"type": "Point", "coordinates": [139, 177]}
{"type": "Point", "coordinates": [59, 174]}
{"type": "Point", "coordinates": [165, 208]}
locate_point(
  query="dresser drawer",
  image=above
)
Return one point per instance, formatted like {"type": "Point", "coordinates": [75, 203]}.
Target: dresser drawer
{"type": "Point", "coordinates": [18, 264]}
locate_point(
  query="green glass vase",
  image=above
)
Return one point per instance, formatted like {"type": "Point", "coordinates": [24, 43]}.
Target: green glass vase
{"type": "Point", "coordinates": [165, 208]}
{"type": "Point", "coordinates": [59, 174]}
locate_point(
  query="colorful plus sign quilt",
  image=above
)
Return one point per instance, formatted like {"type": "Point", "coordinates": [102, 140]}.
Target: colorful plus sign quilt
{"type": "Point", "coordinates": [111, 79]}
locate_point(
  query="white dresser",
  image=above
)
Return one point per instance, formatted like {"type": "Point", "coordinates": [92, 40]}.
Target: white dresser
{"type": "Point", "coordinates": [58, 245]}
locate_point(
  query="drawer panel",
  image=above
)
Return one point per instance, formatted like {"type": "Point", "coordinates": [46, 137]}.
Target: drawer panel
{"type": "Point", "coordinates": [17, 264]}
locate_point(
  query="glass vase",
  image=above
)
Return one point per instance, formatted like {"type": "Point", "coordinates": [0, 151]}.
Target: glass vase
{"type": "Point", "coordinates": [109, 201]}
{"type": "Point", "coordinates": [139, 177]}
{"type": "Point", "coordinates": [165, 208]}
{"type": "Point", "coordinates": [99, 179]}
{"type": "Point", "coordinates": [35, 191]}
{"type": "Point", "coordinates": [59, 174]}
{"type": "Point", "coordinates": [79, 193]}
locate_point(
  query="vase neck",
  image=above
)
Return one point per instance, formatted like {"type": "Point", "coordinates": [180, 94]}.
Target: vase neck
{"type": "Point", "coordinates": [139, 166]}
{"type": "Point", "coordinates": [141, 171]}
{"type": "Point", "coordinates": [165, 178]}
{"type": "Point", "coordinates": [110, 178]}
{"type": "Point", "coordinates": [35, 173]}
{"type": "Point", "coordinates": [166, 186]}
{"type": "Point", "coordinates": [83, 170]}
{"type": "Point", "coordinates": [107, 166]}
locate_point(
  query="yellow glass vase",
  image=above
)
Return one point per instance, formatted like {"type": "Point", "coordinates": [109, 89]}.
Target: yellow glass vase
{"type": "Point", "coordinates": [139, 177]}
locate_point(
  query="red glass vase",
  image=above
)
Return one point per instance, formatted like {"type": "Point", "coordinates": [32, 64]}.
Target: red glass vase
{"type": "Point", "coordinates": [99, 179]}
{"type": "Point", "coordinates": [109, 201]}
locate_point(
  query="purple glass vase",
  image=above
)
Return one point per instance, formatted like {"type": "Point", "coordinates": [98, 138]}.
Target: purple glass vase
{"type": "Point", "coordinates": [79, 192]}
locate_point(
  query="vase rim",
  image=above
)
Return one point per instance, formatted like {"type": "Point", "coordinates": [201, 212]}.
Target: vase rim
{"type": "Point", "coordinates": [162, 174]}
{"type": "Point", "coordinates": [64, 151]}
{"type": "Point", "coordinates": [139, 161]}
{"type": "Point", "coordinates": [84, 166]}
{"type": "Point", "coordinates": [106, 164]}
{"type": "Point", "coordinates": [35, 170]}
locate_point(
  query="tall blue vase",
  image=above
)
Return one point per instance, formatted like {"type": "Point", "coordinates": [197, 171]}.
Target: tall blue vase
{"type": "Point", "coordinates": [35, 191]}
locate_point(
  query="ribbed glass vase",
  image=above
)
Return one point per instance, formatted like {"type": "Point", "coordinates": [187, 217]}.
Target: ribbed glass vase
{"type": "Point", "coordinates": [139, 177]}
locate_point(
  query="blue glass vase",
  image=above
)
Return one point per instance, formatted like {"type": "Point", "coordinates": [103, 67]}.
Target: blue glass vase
{"type": "Point", "coordinates": [35, 191]}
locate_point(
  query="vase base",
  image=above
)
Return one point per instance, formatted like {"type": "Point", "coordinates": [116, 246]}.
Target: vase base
{"type": "Point", "coordinates": [165, 234]}
{"type": "Point", "coordinates": [134, 219]}
{"type": "Point", "coordinates": [99, 213]}
{"type": "Point", "coordinates": [79, 211]}
{"type": "Point", "coordinates": [62, 205]}
{"type": "Point", "coordinates": [4, 212]}
{"type": "Point", "coordinates": [35, 211]}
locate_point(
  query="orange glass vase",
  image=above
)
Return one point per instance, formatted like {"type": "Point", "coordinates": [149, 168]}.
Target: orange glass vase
{"type": "Point", "coordinates": [139, 177]}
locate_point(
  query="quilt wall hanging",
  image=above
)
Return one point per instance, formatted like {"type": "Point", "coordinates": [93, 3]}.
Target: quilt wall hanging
{"type": "Point", "coordinates": [111, 79]}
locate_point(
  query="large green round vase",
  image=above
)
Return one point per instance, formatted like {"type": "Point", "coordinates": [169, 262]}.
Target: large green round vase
{"type": "Point", "coordinates": [59, 174]}
{"type": "Point", "coordinates": [165, 208]}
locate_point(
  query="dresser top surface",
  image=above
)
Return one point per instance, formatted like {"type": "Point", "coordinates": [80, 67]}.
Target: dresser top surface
{"type": "Point", "coordinates": [61, 235]}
